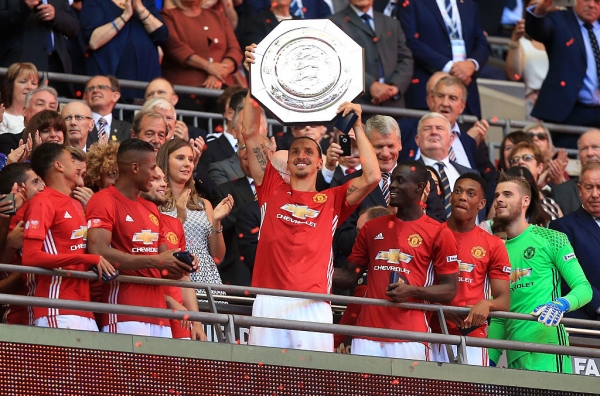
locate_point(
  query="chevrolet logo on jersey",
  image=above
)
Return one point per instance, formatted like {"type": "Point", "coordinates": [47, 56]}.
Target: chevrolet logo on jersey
{"type": "Point", "coordinates": [394, 256]}
{"type": "Point", "coordinates": [465, 267]}
{"type": "Point", "coordinates": [300, 212]}
{"type": "Point", "coordinates": [519, 273]}
{"type": "Point", "coordinates": [146, 236]}
{"type": "Point", "coordinates": [80, 233]}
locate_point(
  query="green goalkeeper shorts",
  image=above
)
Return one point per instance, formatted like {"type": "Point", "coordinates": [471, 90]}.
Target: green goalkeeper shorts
{"type": "Point", "coordinates": [543, 362]}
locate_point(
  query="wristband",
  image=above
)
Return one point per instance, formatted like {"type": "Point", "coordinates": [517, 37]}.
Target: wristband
{"type": "Point", "coordinates": [123, 19]}
{"type": "Point", "coordinates": [146, 17]}
{"type": "Point", "coordinates": [513, 44]}
{"type": "Point", "coordinates": [220, 230]}
{"type": "Point", "coordinates": [115, 26]}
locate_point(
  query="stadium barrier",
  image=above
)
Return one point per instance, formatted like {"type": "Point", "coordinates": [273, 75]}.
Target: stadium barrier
{"type": "Point", "coordinates": [231, 320]}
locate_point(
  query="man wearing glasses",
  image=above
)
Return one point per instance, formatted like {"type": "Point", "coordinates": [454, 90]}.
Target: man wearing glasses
{"type": "Point", "coordinates": [78, 117]}
{"type": "Point", "coordinates": [102, 94]}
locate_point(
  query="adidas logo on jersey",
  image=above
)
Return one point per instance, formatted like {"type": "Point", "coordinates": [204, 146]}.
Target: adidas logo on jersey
{"type": "Point", "coordinates": [379, 236]}
{"type": "Point", "coordinates": [129, 219]}
{"type": "Point", "coordinates": [68, 216]}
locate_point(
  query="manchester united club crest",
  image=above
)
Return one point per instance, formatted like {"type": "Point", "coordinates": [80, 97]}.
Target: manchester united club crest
{"type": "Point", "coordinates": [415, 240]}
{"type": "Point", "coordinates": [478, 252]}
{"type": "Point", "coordinates": [529, 253]}
{"type": "Point", "coordinates": [171, 237]}
{"type": "Point", "coordinates": [153, 219]}
{"type": "Point", "coordinates": [320, 198]}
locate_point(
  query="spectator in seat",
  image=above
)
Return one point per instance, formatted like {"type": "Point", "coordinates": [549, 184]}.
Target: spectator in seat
{"type": "Point", "coordinates": [150, 127]}
{"type": "Point", "coordinates": [455, 45]}
{"type": "Point", "coordinates": [573, 77]}
{"type": "Point", "coordinates": [123, 40]}
{"type": "Point", "coordinates": [41, 98]}
{"type": "Point", "coordinates": [102, 170]}
{"type": "Point", "coordinates": [20, 79]}
{"type": "Point", "coordinates": [37, 32]}
{"type": "Point", "coordinates": [80, 123]}
{"type": "Point", "coordinates": [304, 9]}
{"type": "Point", "coordinates": [102, 94]}
{"type": "Point", "coordinates": [526, 61]}
{"type": "Point", "coordinates": [388, 61]}
{"type": "Point", "coordinates": [229, 168]}
{"type": "Point", "coordinates": [202, 50]}
{"type": "Point", "coordinates": [47, 126]}
{"type": "Point", "coordinates": [556, 160]}
{"type": "Point", "coordinates": [507, 145]}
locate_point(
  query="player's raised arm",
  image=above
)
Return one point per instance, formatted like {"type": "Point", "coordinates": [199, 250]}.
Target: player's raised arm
{"type": "Point", "coordinates": [257, 150]}
{"type": "Point", "coordinates": [361, 186]}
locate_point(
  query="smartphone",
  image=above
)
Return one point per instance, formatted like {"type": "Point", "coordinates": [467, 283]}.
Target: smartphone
{"type": "Point", "coordinates": [563, 3]}
{"type": "Point", "coordinates": [185, 257]}
{"type": "Point", "coordinates": [346, 144]}
{"type": "Point", "coordinates": [105, 276]}
{"type": "Point", "coordinates": [11, 199]}
{"type": "Point", "coordinates": [344, 124]}
{"type": "Point", "coordinates": [395, 277]}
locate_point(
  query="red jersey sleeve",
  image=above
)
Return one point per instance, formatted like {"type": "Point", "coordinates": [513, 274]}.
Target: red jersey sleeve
{"type": "Point", "coordinates": [499, 263]}
{"type": "Point", "coordinates": [100, 212]}
{"type": "Point", "coordinates": [445, 252]}
{"type": "Point", "coordinates": [360, 250]}
{"type": "Point", "coordinates": [341, 205]}
{"type": "Point", "coordinates": [271, 180]}
{"type": "Point", "coordinates": [39, 220]}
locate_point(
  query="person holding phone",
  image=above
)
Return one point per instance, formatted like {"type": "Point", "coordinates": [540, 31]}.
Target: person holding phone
{"type": "Point", "coordinates": [402, 254]}
{"type": "Point", "coordinates": [126, 229]}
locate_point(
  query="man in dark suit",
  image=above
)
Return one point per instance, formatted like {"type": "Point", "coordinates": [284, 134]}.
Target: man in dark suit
{"type": "Point", "coordinates": [305, 9]}
{"type": "Point", "coordinates": [35, 32]}
{"type": "Point", "coordinates": [583, 230]}
{"type": "Point", "coordinates": [388, 61]}
{"type": "Point", "coordinates": [243, 191]}
{"type": "Point", "coordinates": [444, 37]}
{"type": "Point", "coordinates": [384, 134]}
{"type": "Point", "coordinates": [434, 138]}
{"type": "Point", "coordinates": [447, 96]}
{"type": "Point", "coordinates": [229, 168]}
{"type": "Point", "coordinates": [571, 38]}
{"type": "Point", "coordinates": [102, 94]}
{"type": "Point", "coordinates": [246, 228]}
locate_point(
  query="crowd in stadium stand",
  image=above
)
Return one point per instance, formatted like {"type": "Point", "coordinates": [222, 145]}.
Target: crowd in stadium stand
{"type": "Point", "coordinates": [419, 212]}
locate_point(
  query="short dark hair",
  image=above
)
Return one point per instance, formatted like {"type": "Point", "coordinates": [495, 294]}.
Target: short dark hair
{"type": "Point", "coordinates": [11, 174]}
{"type": "Point", "coordinates": [375, 211]}
{"type": "Point", "coordinates": [590, 166]}
{"type": "Point", "coordinates": [312, 140]}
{"type": "Point", "coordinates": [114, 82]}
{"type": "Point", "coordinates": [419, 171]}
{"type": "Point", "coordinates": [226, 95]}
{"type": "Point", "coordinates": [237, 99]}
{"type": "Point", "coordinates": [43, 156]}
{"type": "Point", "coordinates": [136, 127]}
{"type": "Point", "coordinates": [42, 120]}
{"type": "Point", "coordinates": [132, 145]}
{"type": "Point", "coordinates": [535, 212]}
{"type": "Point", "coordinates": [476, 178]}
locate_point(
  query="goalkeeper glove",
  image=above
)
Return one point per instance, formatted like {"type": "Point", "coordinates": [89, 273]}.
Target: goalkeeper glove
{"type": "Point", "coordinates": [551, 313]}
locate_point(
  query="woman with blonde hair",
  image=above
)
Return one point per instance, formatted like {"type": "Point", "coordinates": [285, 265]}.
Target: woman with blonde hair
{"type": "Point", "coordinates": [20, 79]}
{"type": "Point", "coordinates": [201, 223]}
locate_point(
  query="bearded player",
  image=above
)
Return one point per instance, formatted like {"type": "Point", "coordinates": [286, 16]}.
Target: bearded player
{"type": "Point", "coordinates": [539, 258]}
{"type": "Point", "coordinates": [294, 246]}
{"type": "Point", "coordinates": [483, 267]}
{"type": "Point", "coordinates": [403, 254]}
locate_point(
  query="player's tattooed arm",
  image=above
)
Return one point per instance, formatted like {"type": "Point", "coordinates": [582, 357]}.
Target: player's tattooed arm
{"type": "Point", "coordinates": [262, 156]}
{"type": "Point", "coordinates": [351, 190]}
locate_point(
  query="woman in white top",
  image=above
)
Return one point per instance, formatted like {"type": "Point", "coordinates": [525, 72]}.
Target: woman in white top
{"type": "Point", "coordinates": [20, 79]}
{"type": "Point", "coordinates": [526, 61]}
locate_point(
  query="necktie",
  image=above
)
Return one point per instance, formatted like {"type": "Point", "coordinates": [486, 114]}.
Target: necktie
{"type": "Point", "coordinates": [385, 189]}
{"type": "Point", "coordinates": [253, 187]}
{"type": "Point", "coordinates": [446, 185]}
{"type": "Point", "coordinates": [102, 128]}
{"type": "Point", "coordinates": [449, 11]}
{"type": "Point", "coordinates": [367, 20]}
{"type": "Point", "coordinates": [349, 171]}
{"type": "Point", "coordinates": [390, 10]}
{"type": "Point", "coordinates": [595, 47]}
{"type": "Point", "coordinates": [296, 8]}
{"type": "Point", "coordinates": [451, 153]}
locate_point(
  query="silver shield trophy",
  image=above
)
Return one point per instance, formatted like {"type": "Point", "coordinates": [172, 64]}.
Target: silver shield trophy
{"type": "Point", "coordinates": [305, 69]}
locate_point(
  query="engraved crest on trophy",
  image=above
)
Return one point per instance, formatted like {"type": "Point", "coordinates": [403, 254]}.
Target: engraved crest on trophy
{"type": "Point", "coordinates": [305, 69]}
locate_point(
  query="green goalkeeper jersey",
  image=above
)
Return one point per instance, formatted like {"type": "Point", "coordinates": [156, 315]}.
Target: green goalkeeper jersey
{"type": "Point", "coordinates": [539, 257]}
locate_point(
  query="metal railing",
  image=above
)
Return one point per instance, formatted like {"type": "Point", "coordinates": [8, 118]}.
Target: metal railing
{"type": "Point", "coordinates": [229, 321]}
{"type": "Point", "coordinates": [506, 124]}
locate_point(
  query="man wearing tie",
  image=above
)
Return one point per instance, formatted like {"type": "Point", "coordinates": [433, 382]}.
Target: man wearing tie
{"type": "Point", "coordinates": [388, 61]}
{"type": "Point", "coordinates": [102, 94]}
{"type": "Point", "coordinates": [571, 38]}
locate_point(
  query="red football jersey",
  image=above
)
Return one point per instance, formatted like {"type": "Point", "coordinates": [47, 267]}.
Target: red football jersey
{"type": "Point", "coordinates": [17, 314]}
{"type": "Point", "coordinates": [410, 251]}
{"type": "Point", "coordinates": [135, 228]}
{"type": "Point", "coordinates": [175, 238]}
{"type": "Point", "coordinates": [296, 234]}
{"type": "Point", "coordinates": [481, 257]}
{"type": "Point", "coordinates": [56, 237]}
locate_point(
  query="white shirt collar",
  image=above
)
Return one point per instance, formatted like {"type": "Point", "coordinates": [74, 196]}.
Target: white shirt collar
{"type": "Point", "coordinates": [359, 12]}
{"type": "Point", "coordinates": [231, 140]}
{"type": "Point", "coordinates": [431, 162]}
{"type": "Point", "coordinates": [456, 129]}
